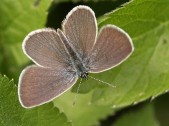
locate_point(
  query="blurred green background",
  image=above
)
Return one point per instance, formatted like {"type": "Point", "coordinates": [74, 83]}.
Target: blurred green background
{"type": "Point", "coordinates": [141, 97]}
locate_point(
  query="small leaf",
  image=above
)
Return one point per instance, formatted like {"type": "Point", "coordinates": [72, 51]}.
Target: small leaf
{"type": "Point", "coordinates": [18, 19]}
{"type": "Point", "coordinates": [12, 114]}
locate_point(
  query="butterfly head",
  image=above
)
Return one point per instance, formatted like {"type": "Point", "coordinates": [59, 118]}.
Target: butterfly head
{"type": "Point", "coordinates": [84, 75]}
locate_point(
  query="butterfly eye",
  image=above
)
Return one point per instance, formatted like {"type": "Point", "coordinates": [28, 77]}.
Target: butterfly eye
{"type": "Point", "coordinates": [86, 73]}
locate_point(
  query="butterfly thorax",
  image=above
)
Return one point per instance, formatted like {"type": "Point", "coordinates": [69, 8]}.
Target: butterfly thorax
{"type": "Point", "coordinates": [75, 58]}
{"type": "Point", "coordinates": [81, 69]}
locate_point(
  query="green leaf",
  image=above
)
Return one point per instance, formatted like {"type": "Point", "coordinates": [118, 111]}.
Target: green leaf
{"type": "Point", "coordinates": [18, 18]}
{"type": "Point", "coordinates": [144, 75]}
{"type": "Point", "coordinates": [138, 116]}
{"type": "Point", "coordinates": [12, 114]}
{"type": "Point", "coordinates": [83, 113]}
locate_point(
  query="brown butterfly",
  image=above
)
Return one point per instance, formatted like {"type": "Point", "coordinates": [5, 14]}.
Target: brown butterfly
{"type": "Point", "coordinates": [62, 56]}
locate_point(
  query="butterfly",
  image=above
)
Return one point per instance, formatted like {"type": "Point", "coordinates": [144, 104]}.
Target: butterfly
{"type": "Point", "coordinates": [63, 56]}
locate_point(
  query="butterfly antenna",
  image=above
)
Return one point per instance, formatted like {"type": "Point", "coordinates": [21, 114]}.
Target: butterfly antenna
{"type": "Point", "coordinates": [74, 99]}
{"type": "Point", "coordinates": [102, 82]}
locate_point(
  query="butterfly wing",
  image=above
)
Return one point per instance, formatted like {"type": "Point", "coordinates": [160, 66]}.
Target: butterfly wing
{"type": "Point", "coordinates": [80, 28]}
{"type": "Point", "coordinates": [38, 85]}
{"type": "Point", "coordinates": [45, 48]}
{"type": "Point", "coordinates": [112, 47]}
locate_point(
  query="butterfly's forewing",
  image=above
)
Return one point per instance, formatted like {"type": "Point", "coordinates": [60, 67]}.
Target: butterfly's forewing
{"type": "Point", "coordinates": [80, 28]}
{"type": "Point", "coordinates": [113, 46]}
{"type": "Point", "coordinates": [45, 48]}
{"type": "Point", "coordinates": [38, 85]}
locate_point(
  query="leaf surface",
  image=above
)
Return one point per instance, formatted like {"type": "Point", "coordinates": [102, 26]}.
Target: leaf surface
{"type": "Point", "coordinates": [12, 114]}
{"type": "Point", "coordinates": [144, 75]}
